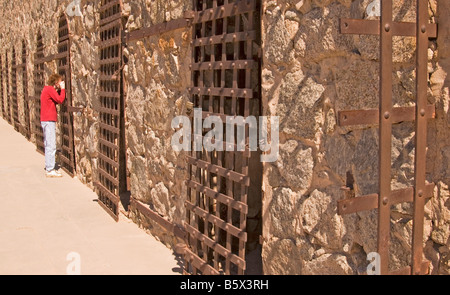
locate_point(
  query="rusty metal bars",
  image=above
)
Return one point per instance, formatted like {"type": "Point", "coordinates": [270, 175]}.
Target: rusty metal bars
{"type": "Point", "coordinates": [14, 99]}
{"type": "Point", "coordinates": [8, 93]}
{"type": "Point", "coordinates": [26, 106]}
{"type": "Point", "coordinates": [110, 107]}
{"type": "Point", "coordinates": [1, 89]}
{"type": "Point", "coordinates": [67, 155]}
{"type": "Point", "coordinates": [39, 83]}
{"type": "Point", "coordinates": [388, 115]}
{"type": "Point", "coordinates": [422, 36]}
{"type": "Point", "coordinates": [223, 70]}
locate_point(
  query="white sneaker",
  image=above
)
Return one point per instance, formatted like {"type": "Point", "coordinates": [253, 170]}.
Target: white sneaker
{"type": "Point", "coordinates": [53, 174]}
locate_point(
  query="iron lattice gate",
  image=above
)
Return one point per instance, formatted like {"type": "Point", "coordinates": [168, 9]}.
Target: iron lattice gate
{"type": "Point", "coordinates": [111, 172]}
{"type": "Point", "coordinates": [14, 100]}
{"type": "Point", "coordinates": [386, 116]}
{"type": "Point", "coordinates": [225, 63]}
{"type": "Point", "coordinates": [39, 82]}
{"type": "Point", "coordinates": [26, 107]}
{"type": "Point", "coordinates": [67, 155]}
{"type": "Point", "coordinates": [8, 94]}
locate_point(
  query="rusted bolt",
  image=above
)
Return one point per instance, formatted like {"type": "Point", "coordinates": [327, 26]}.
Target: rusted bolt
{"type": "Point", "coordinates": [387, 27]}
{"type": "Point", "coordinates": [344, 207]}
{"type": "Point", "coordinates": [422, 112]}
{"type": "Point", "coordinates": [423, 28]}
{"type": "Point", "coordinates": [387, 115]}
{"type": "Point", "coordinates": [385, 201]}
{"type": "Point", "coordinates": [420, 194]}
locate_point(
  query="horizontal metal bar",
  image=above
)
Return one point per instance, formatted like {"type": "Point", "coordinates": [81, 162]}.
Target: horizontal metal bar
{"type": "Point", "coordinates": [371, 116]}
{"type": "Point", "coordinates": [424, 269]}
{"type": "Point", "coordinates": [199, 263]}
{"type": "Point", "coordinates": [110, 19]}
{"type": "Point", "coordinates": [226, 146]}
{"type": "Point", "coordinates": [110, 42]}
{"type": "Point", "coordinates": [157, 29]}
{"type": "Point", "coordinates": [219, 170]}
{"type": "Point", "coordinates": [220, 91]}
{"type": "Point", "coordinates": [369, 202]}
{"type": "Point", "coordinates": [225, 38]}
{"type": "Point", "coordinates": [372, 27]}
{"type": "Point", "coordinates": [112, 60]}
{"type": "Point", "coordinates": [241, 64]}
{"type": "Point", "coordinates": [110, 145]}
{"type": "Point", "coordinates": [108, 111]}
{"type": "Point", "coordinates": [115, 199]}
{"type": "Point", "coordinates": [224, 199]}
{"type": "Point", "coordinates": [110, 162]}
{"type": "Point", "coordinates": [215, 246]}
{"type": "Point", "coordinates": [109, 128]}
{"type": "Point", "coordinates": [223, 11]}
{"type": "Point", "coordinates": [146, 211]}
{"type": "Point", "coordinates": [109, 94]}
{"type": "Point", "coordinates": [109, 5]}
{"type": "Point", "coordinates": [238, 233]}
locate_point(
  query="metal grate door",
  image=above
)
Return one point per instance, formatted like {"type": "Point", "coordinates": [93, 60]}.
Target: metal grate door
{"type": "Point", "coordinates": [225, 63]}
{"type": "Point", "coordinates": [67, 155]}
{"type": "Point", "coordinates": [8, 94]}
{"type": "Point", "coordinates": [39, 82]}
{"type": "Point", "coordinates": [14, 100]}
{"type": "Point", "coordinates": [386, 116]}
{"type": "Point", "coordinates": [111, 172]}
{"type": "Point", "coordinates": [26, 106]}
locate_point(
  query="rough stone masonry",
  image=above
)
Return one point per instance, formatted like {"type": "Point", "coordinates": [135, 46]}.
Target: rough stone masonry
{"type": "Point", "coordinates": [309, 72]}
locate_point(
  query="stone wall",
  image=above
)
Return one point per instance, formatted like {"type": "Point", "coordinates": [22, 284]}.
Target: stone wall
{"type": "Point", "coordinates": [310, 72]}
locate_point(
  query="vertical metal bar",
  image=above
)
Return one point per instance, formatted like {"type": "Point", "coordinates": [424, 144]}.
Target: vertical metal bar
{"type": "Point", "coordinates": [421, 133]}
{"type": "Point", "coordinates": [385, 134]}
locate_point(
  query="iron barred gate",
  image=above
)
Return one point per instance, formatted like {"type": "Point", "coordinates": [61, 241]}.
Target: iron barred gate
{"type": "Point", "coordinates": [14, 100]}
{"type": "Point", "coordinates": [67, 155]}
{"type": "Point", "coordinates": [39, 82]}
{"type": "Point", "coordinates": [111, 164]}
{"type": "Point", "coordinates": [26, 106]}
{"type": "Point", "coordinates": [225, 63]}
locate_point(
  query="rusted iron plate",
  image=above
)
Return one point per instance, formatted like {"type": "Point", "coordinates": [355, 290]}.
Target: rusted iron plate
{"type": "Point", "coordinates": [369, 202]}
{"type": "Point", "coordinates": [385, 133]}
{"type": "Point", "coordinates": [371, 116]}
{"type": "Point", "coordinates": [420, 134]}
{"type": "Point", "coordinates": [372, 27]}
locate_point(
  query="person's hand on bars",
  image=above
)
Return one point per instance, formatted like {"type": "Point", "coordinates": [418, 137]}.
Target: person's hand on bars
{"type": "Point", "coordinates": [62, 85]}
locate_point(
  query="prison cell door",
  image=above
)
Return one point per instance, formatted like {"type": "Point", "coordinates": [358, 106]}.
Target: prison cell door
{"type": "Point", "coordinates": [225, 71]}
{"type": "Point", "coordinates": [14, 100]}
{"type": "Point", "coordinates": [111, 180]}
{"type": "Point", "coordinates": [26, 106]}
{"type": "Point", "coordinates": [39, 83]}
{"type": "Point", "coordinates": [67, 155]}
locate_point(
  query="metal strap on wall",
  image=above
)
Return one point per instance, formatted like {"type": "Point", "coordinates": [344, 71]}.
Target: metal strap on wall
{"type": "Point", "coordinates": [67, 155]}
{"type": "Point", "coordinates": [110, 108]}
{"type": "Point", "coordinates": [14, 99]}
{"type": "Point", "coordinates": [388, 115]}
{"type": "Point", "coordinates": [223, 66]}
{"type": "Point", "coordinates": [39, 82]}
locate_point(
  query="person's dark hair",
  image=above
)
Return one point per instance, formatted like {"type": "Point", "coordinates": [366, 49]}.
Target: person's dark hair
{"type": "Point", "coordinates": [53, 79]}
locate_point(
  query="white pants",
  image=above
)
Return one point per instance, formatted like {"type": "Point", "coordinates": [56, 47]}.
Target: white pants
{"type": "Point", "coordinates": [49, 129]}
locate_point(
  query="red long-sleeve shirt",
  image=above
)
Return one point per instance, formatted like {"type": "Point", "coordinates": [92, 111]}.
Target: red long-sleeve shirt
{"type": "Point", "coordinates": [49, 99]}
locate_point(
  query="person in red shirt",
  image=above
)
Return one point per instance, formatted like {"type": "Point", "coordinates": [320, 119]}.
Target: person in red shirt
{"type": "Point", "coordinates": [52, 94]}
